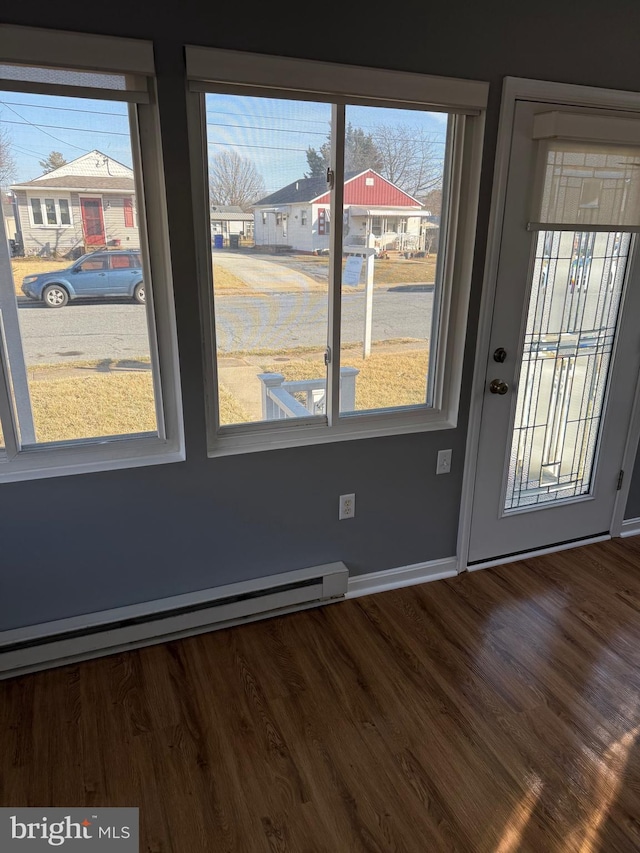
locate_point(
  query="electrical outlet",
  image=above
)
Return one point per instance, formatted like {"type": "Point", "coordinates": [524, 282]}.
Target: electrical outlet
{"type": "Point", "coordinates": [444, 462]}
{"type": "Point", "coordinates": [347, 507]}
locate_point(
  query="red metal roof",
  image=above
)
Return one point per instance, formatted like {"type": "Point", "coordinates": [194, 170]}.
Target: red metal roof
{"type": "Point", "coordinates": [371, 189]}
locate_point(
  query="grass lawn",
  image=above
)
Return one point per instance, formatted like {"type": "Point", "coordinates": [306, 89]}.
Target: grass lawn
{"type": "Point", "coordinates": [393, 270]}
{"type": "Point", "coordinates": [73, 404]}
{"type": "Point", "coordinates": [405, 271]}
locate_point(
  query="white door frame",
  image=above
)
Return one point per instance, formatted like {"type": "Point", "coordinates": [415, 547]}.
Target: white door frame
{"type": "Point", "coordinates": [515, 88]}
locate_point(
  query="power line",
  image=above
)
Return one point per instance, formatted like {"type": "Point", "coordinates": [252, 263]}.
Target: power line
{"type": "Point", "coordinates": [269, 129]}
{"type": "Point", "coordinates": [278, 118]}
{"type": "Point", "coordinates": [259, 147]}
{"type": "Point", "coordinates": [64, 127]}
{"type": "Point", "coordinates": [26, 121]}
{"type": "Point", "coordinates": [66, 109]}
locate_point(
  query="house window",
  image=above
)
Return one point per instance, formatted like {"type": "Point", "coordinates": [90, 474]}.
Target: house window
{"type": "Point", "coordinates": [68, 420]}
{"type": "Point", "coordinates": [264, 217]}
{"type": "Point", "coordinates": [50, 212]}
{"type": "Point", "coordinates": [303, 217]}
{"type": "Point", "coordinates": [63, 206]}
{"type": "Point", "coordinates": [324, 378]}
{"type": "Point", "coordinates": [278, 219]}
{"type": "Point", "coordinates": [127, 204]}
{"type": "Point", "coordinates": [36, 210]}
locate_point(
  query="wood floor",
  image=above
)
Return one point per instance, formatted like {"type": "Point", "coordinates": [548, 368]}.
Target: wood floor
{"type": "Point", "coordinates": [498, 711]}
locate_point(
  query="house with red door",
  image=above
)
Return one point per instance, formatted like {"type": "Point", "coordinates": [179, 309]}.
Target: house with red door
{"type": "Point", "coordinates": [87, 204]}
{"type": "Point", "coordinates": [377, 214]}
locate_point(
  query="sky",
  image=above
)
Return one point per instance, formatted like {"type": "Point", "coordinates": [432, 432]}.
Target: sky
{"type": "Point", "coordinates": [273, 133]}
{"type": "Point", "coordinates": [39, 124]}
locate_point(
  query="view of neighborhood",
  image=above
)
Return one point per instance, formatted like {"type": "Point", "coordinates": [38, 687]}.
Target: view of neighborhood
{"type": "Point", "coordinates": [73, 243]}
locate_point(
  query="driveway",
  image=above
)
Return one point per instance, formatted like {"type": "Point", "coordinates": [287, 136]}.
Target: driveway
{"type": "Point", "coordinates": [264, 273]}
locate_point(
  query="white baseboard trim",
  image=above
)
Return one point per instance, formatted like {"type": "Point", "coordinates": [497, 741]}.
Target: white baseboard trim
{"type": "Point", "coordinates": [630, 527]}
{"type": "Point", "coordinates": [402, 576]}
{"type": "Point", "coordinates": [539, 552]}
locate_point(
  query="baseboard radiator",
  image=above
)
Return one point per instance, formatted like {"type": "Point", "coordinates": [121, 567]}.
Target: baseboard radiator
{"type": "Point", "coordinates": [79, 638]}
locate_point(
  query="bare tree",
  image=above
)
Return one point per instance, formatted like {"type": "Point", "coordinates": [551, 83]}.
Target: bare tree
{"type": "Point", "coordinates": [53, 161]}
{"type": "Point", "coordinates": [234, 180]}
{"type": "Point", "coordinates": [410, 159]}
{"type": "Point", "coordinates": [7, 160]}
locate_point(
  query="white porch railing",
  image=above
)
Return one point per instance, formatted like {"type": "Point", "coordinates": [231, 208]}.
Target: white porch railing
{"type": "Point", "coordinates": [278, 401]}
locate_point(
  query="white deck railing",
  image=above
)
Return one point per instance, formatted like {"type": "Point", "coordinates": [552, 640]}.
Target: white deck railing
{"type": "Point", "coordinates": [278, 399]}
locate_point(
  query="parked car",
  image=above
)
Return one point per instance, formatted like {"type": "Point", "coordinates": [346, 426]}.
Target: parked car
{"type": "Point", "coordinates": [98, 274]}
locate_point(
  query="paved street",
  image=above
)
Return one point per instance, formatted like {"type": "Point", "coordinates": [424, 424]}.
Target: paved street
{"type": "Point", "coordinates": [98, 331]}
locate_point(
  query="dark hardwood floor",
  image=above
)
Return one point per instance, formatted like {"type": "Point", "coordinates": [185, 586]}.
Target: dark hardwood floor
{"type": "Point", "coordinates": [498, 711]}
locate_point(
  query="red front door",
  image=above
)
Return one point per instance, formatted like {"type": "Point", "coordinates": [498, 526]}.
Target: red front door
{"type": "Point", "coordinates": [92, 221]}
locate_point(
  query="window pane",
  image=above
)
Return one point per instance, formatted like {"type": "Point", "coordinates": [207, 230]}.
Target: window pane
{"type": "Point", "coordinates": [37, 211]}
{"type": "Point", "coordinates": [267, 163]}
{"type": "Point", "coordinates": [394, 184]}
{"type": "Point", "coordinates": [64, 212]}
{"type": "Point", "coordinates": [88, 362]}
{"type": "Point", "coordinates": [50, 207]}
{"type": "Point", "coordinates": [119, 262]}
{"type": "Point", "coordinates": [573, 311]}
{"type": "Point", "coordinates": [589, 183]}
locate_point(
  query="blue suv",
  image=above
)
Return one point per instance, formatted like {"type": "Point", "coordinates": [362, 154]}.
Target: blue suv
{"type": "Point", "coordinates": [95, 275]}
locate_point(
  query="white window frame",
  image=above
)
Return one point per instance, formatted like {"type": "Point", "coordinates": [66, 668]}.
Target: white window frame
{"type": "Point", "coordinates": [74, 51]}
{"type": "Point", "coordinates": [56, 197]}
{"type": "Point", "coordinates": [234, 72]}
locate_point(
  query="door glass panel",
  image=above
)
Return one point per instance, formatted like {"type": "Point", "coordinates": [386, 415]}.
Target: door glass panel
{"type": "Point", "coordinates": [571, 328]}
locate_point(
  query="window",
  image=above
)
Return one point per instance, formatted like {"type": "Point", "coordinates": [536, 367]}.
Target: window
{"type": "Point", "coordinates": [264, 217]}
{"type": "Point", "coordinates": [127, 261]}
{"type": "Point", "coordinates": [63, 206]}
{"type": "Point", "coordinates": [127, 204]}
{"type": "Point", "coordinates": [97, 387]}
{"type": "Point", "coordinates": [303, 217]}
{"type": "Point", "coordinates": [36, 209]}
{"type": "Point", "coordinates": [324, 222]}
{"type": "Point", "coordinates": [50, 212]}
{"type": "Point", "coordinates": [99, 262]}
{"type": "Point", "coordinates": [334, 351]}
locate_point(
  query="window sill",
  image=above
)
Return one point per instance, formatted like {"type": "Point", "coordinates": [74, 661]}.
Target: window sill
{"type": "Point", "coordinates": [53, 227]}
{"type": "Point", "coordinates": [261, 437]}
{"type": "Point", "coordinates": [42, 462]}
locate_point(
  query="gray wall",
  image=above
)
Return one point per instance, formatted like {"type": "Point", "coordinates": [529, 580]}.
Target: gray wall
{"type": "Point", "coordinates": [83, 543]}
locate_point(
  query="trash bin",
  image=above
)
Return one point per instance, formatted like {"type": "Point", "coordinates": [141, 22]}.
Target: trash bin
{"type": "Point", "coordinates": [234, 241]}
{"type": "Point", "coordinates": [217, 241]}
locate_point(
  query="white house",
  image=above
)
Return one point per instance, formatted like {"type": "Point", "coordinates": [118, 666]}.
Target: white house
{"type": "Point", "coordinates": [376, 212]}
